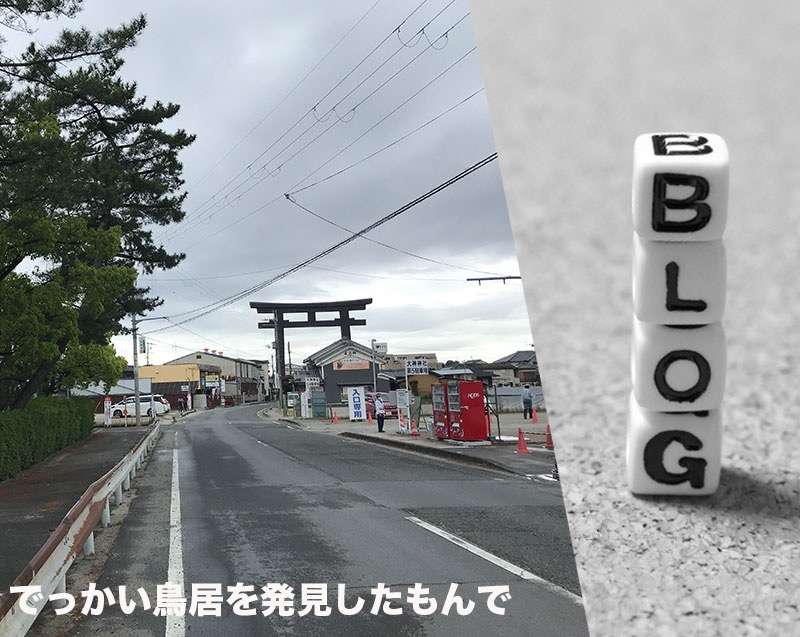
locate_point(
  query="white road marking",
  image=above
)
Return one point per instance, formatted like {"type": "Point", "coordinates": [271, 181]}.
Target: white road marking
{"type": "Point", "coordinates": [497, 561]}
{"type": "Point", "coordinates": [546, 476]}
{"type": "Point", "coordinates": [176, 626]}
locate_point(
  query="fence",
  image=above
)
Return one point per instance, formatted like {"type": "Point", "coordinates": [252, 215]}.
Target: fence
{"type": "Point", "coordinates": [74, 534]}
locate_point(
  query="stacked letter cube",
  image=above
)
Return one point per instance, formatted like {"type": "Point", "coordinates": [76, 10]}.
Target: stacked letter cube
{"type": "Point", "coordinates": [680, 200]}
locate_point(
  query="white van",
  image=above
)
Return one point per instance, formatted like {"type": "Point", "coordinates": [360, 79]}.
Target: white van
{"type": "Point", "coordinates": [160, 404]}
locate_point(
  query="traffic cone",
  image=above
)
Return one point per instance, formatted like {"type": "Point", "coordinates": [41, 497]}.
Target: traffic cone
{"type": "Point", "coordinates": [534, 415]}
{"type": "Point", "coordinates": [369, 416]}
{"type": "Point", "coordinates": [414, 430]}
{"type": "Point", "coordinates": [522, 446]}
{"type": "Point", "coordinates": [401, 420]}
{"type": "Point", "coordinates": [334, 417]}
{"type": "Point", "coordinates": [548, 437]}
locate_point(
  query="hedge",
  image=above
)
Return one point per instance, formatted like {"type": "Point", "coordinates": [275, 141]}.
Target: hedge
{"type": "Point", "coordinates": [44, 426]}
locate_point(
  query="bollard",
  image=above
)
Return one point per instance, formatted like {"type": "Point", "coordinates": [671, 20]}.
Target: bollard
{"type": "Point", "coordinates": [88, 545]}
{"type": "Point", "coordinates": [105, 517]}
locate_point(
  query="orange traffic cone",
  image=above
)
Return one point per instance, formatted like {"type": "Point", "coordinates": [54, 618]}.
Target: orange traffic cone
{"type": "Point", "coordinates": [534, 415]}
{"type": "Point", "coordinates": [522, 446]}
{"type": "Point", "coordinates": [401, 420]}
{"type": "Point", "coordinates": [548, 437]}
{"type": "Point", "coordinates": [334, 417]}
{"type": "Point", "coordinates": [414, 430]}
{"type": "Point", "coordinates": [369, 416]}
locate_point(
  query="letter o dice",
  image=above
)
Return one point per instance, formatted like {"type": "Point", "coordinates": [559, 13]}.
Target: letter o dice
{"type": "Point", "coordinates": [678, 353]}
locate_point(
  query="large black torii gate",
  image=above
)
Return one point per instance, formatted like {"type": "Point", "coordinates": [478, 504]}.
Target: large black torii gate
{"type": "Point", "coordinates": [279, 322]}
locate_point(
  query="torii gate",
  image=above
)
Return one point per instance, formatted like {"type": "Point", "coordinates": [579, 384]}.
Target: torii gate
{"type": "Point", "coordinates": [278, 322]}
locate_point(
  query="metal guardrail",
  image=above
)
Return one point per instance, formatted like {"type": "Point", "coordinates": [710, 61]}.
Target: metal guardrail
{"type": "Point", "coordinates": [75, 534]}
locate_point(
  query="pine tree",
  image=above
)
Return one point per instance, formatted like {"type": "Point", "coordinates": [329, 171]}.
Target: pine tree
{"type": "Point", "coordinates": [88, 169]}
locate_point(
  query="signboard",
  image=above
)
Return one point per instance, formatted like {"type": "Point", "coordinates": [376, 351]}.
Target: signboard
{"type": "Point", "coordinates": [107, 411]}
{"type": "Point", "coordinates": [350, 363]}
{"type": "Point", "coordinates": [356, 403]}
{"type": "Point", "coordinates": [417, 366]}
{"type": "Point", "coordinates": [402, 399]}
{"type": "Point", "coordinates": [142, 345]}
{"type": "Point", "coordinates": [381, 348]}
{"type": "Point", "coordinates": [184, 387]}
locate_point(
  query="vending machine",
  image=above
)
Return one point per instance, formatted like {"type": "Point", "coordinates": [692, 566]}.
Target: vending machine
{"type": "Point", "coordinates": [467, 410]}
{"type": "Point", "coordinates": [441, 426]}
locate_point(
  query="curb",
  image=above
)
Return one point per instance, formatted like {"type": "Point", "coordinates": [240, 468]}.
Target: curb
{"type": "Point", "coordinates": [438, 452]}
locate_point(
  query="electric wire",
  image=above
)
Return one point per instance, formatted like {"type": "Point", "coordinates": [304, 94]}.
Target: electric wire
{"type": "Point", "coordinates": [208, 309]}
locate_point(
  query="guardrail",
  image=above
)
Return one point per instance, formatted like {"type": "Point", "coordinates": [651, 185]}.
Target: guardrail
{"type": "Point", "coordinates": [75, 534]}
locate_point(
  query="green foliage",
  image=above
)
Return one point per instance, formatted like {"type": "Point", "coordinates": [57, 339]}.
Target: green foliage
{"type": "Point", "coordinates": [44, 426]}
{"type": "Point", "coordinates": [87, 168]}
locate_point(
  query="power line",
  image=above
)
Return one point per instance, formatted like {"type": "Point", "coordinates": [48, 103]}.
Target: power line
{"type": "Point", "coordinates": [312, 109]}
{"type": "Point", "coordinates": [387, 146]}
{"type": "Point", "coordinates": [292, 90]}
{"type": "Point", "coordinates": [381, 243]}
{"type": "Point", "coordinates": [208, 309]}
{"type": "Point", "coordinates": [293, 188]}
{"type": "Point", "coordinates": [262, 170]}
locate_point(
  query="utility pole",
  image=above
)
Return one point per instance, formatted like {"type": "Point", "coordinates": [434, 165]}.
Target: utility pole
{"type": "Point", "coordinates": [374, 373]}
{"type": "Point", "coordinates": [135, 332]}
{"type": "Point", "coordinates": [495, 278]}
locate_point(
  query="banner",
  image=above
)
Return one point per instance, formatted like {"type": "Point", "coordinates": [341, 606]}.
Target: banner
{"type": "Point", "coordinates": [356, 403]}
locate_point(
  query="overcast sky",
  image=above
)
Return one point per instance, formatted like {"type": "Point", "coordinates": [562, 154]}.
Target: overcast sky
{"type": "Point", "coordinates": [229, 66]}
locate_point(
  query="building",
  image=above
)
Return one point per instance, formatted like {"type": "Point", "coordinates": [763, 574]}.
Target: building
{"type": "Point", "coordinates": [398, 361]}
{"type": "Point", "coordinates": [175, 381]}
{"type": "Point", "coordinates": [516, 369]}
{"type": "Point", "coordinates": [240, 379]}
{"type": "Point", "coordinates": [342, 364]}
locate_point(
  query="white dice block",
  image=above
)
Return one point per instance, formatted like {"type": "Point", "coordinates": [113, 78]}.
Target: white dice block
{"type": "Point", "coordinates": [673, 453]}
{"type": "Point", "coordinates": [680, 186]}
{"type": "Point", "coordinates": [678, 368]}
{"type": "Point", "coordinates": [678, 283]}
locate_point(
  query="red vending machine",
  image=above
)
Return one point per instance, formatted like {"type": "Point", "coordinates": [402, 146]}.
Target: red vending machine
{"type": "Point", "coordinates": [441, 419]}
{"type": "Point", "coordinates": [467, 410]}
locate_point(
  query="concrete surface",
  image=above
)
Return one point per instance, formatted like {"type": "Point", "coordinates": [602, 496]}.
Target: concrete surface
{"type": "Point", "coordinates": [34, 502]}
{"type": "Point", "coordinates": [570, 85]}
{"type": "Point", "coordinates": [502, 456]}
{"type": "Point", "coordinates": [264, 502]}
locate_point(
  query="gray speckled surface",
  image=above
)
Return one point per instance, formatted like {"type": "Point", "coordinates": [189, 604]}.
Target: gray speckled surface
{"type": "Point", "coordinates": [570, 85]}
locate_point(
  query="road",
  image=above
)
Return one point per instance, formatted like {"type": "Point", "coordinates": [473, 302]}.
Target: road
{"type": "Point", "coordinates": [262, 502]}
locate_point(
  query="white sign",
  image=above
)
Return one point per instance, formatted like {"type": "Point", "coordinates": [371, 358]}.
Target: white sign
{"type": "Point", "coordinates": [417, 366]}
{"type": "Point", "coordinates": [107, 411]}
{"type": "Point", "coordinates": [356, 402]}
{"type": "Point", "coordinates": [381, 348]}
{"type": "Point", "coordinates": [402, 399]}
{"type": "Point", "coordinates": [184, 387]}
{"type": "Point", "coordinates": [312, 381]}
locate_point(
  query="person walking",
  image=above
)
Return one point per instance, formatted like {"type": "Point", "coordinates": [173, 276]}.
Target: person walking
{"type": "Point", "coordinates": [527, 403]}
{"type": "Point", "coordinates": [380, 412]}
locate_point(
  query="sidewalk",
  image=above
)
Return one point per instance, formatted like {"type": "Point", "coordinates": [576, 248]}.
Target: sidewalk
{"type": "Point", "coordinates": [498, 456]}
{"type": "Point", "coordinates": [34, 502]}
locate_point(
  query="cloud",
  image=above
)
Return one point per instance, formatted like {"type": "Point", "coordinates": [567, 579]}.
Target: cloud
{"type": "Point", "coordinates": [228, 69]}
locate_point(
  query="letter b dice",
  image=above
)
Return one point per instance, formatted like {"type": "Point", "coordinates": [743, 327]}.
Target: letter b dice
{"type": "Point", "coordinates": [680, 186]}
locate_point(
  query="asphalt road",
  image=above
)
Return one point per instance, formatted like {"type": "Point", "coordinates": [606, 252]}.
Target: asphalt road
{"type": "Point", "coordinates": [261, 502]}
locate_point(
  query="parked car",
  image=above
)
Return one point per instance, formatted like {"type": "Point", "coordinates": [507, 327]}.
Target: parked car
{"type": "Point", "coordinates": [390, 409]}
{"type": "Point", "coordinates": [128, 405]}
